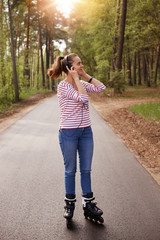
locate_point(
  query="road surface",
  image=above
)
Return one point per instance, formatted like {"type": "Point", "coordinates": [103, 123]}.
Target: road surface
{"type": "Point", "coordinates": [32, 187]}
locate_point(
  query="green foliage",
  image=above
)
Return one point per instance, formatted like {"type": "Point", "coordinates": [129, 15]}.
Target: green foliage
{"type": "Point", "coordinates": [6, 94]}
{"type": "Point", "coordinates": [149, 110]}
{"type": "Point", "coordinates": [51, 21]}
{"type": "Point", "coordinates": [91, 36]}
{"type": "Point", "coordinates": [91, 32]}
{"type": "Point", "coordinates": [142, 20]}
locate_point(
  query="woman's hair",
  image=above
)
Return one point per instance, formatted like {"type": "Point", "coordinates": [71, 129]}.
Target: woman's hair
{"type": "Point", "coordinates": [59, 65]}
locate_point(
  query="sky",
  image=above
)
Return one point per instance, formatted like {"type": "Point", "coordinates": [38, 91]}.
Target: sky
{"type": "Point", "coordinates": [65, 6]}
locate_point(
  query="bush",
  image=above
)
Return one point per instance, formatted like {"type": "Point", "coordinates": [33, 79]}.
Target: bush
{"type": "Point", "coordinates": [117, 82]}
{"type": "Point", "coordinates": [7, 94]}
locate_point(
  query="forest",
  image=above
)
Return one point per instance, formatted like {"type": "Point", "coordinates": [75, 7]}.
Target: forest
{"type": "Point", "coordinates": [117, 40]}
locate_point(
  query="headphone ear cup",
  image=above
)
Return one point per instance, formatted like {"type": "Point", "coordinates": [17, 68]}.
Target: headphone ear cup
{"type": "Point", "coordinates": [69, 66]}
{"type": "Point", "coordinates": [67, 63]}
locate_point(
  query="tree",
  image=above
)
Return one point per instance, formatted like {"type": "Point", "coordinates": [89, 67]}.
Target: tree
{"type": "Point", "coordinates": [26, 57]}
{"type": "Point", "coordinates": [134, 69]}
{"type": "Point", "coordinates": [157, 65]}
{"type": "Point", "coordinates": [41, 50]}
{"type": "Point", "coordinates": [121, 37]}
{"type": "Point", "coordinates": [13, 55]}
{"type": "Point", "coordinates": [115, 35]}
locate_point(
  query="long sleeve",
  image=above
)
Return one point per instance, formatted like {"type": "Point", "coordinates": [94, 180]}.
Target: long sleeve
{"type": "Point", "coordinates": [74, 107]}
{"type": "Point", "coordinates": [91, 88]}
{"type": "Point", "coordinates": [69, 92]}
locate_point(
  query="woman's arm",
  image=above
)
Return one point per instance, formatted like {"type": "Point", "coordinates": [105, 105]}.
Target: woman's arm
{"type": "Point", "coordinates": [87, 77]}
{"type": "Point", "coordinates": [80, 87]}
{"type": "Point", "coordinates": [75, 77]}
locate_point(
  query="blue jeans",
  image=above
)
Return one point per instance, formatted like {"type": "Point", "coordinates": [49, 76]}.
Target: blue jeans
{"type": "Point", "coordinates": [72, 141]}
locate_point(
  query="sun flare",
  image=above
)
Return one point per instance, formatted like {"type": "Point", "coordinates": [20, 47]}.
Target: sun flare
{"type": "Point", "coordinates": [65, 6]}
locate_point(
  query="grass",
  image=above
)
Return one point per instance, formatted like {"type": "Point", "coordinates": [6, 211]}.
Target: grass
{"type": "Point", "coordinates": [6, 107]}
{"type": "Point", "coordinates": [149, 110]}
{"type": "Point", "coordinates": [24, 94]}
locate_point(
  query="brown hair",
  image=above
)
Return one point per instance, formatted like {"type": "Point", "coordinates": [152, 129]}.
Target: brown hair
{"type": "Point", "coordinates": [59, 65]}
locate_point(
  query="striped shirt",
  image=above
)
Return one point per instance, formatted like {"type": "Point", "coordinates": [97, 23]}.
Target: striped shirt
{"type": "Point", "coordinates": [74, 106]}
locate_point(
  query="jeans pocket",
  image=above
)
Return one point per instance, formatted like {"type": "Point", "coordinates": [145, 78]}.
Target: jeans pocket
{"type": "Point", "coordinates": [69, 132]}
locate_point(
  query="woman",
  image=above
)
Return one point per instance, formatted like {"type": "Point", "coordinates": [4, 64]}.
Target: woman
{"type": "Point", "coordinates": [75, 134]}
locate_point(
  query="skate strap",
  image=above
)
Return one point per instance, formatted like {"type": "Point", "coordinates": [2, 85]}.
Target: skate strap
{"type": "Point", "coordinates": [85, 200]}
{"type": "Point", "coordinates": [70, 200]}
{"type": "Point", "coordinates": [88, 199]}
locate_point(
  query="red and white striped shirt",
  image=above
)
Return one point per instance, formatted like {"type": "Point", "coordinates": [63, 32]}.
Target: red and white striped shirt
{"type": "Point", "coordinates": [74, 106]}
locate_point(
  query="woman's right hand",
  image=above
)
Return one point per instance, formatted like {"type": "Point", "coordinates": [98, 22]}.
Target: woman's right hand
{"type": "Point", "coordinates": [73, 73]}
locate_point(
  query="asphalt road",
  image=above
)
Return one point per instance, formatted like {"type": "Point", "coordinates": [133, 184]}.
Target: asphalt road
{"type": "Point", "coordinates": [32, 187]}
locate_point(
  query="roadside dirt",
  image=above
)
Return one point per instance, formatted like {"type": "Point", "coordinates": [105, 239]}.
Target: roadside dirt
{"type": "Point", "coordinates": [141, 136]}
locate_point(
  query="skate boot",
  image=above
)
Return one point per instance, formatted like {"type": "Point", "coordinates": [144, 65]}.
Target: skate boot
{"type": "Point", "coordinates": [69, 209]}
{"type": "Point", "coordinates": [91, 211]}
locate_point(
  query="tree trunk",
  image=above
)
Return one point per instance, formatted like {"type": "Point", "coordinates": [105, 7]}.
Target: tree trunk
{"type": "Point", "coordinates": [42, 62]}
{"type": "Point", "coordinates": [47, 54]}
{"type": "Point", "coordinates": [38, 60]}
{"type": "Point", "coordinates": [26, 58]}
{"type": "Point", "coordinates": [152, 62]}
{"type": "Point", "coordinates": [18, 45]}
{"type": "Point", "coordinates": [40, 45]}
{"type": "Point", "coordinates": [129, 65]}
{"type": "Point", "coordinates": [115, 35]}
{"type": "Point", "coordinates": [134, 69]}
{"type": "Point", "coordinates": [124, 67]}
{"type": "Point", "coordinates": [129, 71]}
{"type": "Point", "coordinates": [139, 70]}
{"type": "Point", "coordinates": [148, 75]}
{"type": "Point", "coordinates": [144, 69]}
{"type": "Point", "coordinates": [2, 46]}
{"type": "Point", "coordinates": [157, 65]}
{"type": "Point", "coordinates": [52, 61]}
{"type": "Point", "coordinates": [52, 52]}
{"type": "Point", "coordinates": [13, 55]}
{"type": "Point", "coordinates": [121, 37]}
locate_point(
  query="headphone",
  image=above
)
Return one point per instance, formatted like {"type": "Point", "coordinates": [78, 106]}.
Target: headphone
{"type": "Point", "coordinates": [67, 63]}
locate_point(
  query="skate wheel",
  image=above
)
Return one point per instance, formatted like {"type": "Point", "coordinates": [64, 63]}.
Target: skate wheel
{"type": "Point", "coordinates": [69, 223]}
{"type": "Point", "coordinates": [95, 220]}
{"type": "Point", "coordinates": [101, 220]}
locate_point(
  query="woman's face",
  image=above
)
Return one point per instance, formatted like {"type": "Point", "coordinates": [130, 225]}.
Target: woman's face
{"type": "Point", "coordinates": [77, 65]}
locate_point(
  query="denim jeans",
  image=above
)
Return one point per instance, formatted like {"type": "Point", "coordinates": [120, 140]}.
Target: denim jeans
{"type": "Point", "coordinates": [72, 141]}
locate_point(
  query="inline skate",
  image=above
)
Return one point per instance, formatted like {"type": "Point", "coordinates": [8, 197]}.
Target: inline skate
{"type": "Point", "coordinates": [69, 209]}
{"type": "Point", "coordinates": [91, 211]}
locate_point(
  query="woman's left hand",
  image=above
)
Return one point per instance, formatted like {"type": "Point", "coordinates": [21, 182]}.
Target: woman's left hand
{"type": "Point", "coordinates": [82, 73]}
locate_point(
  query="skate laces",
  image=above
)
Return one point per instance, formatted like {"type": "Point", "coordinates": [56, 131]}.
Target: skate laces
{"type": "Point", "coordinates": [69, 207]}
{"type": "Point", "coordinates": [93, 205]}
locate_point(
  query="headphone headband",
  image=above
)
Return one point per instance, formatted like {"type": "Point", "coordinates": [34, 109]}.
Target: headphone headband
{"type": "Point", "coordinates": [66, 60]}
